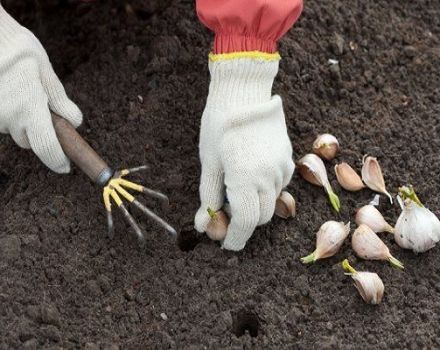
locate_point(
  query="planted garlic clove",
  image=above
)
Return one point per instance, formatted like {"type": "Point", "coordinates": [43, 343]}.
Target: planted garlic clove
{"type": "Point", "coordinates": [372, 217]}
{"type": "Point", "coordinates": [348, 178]}
{"type": "Point", "coordinates": [367, 245]}
{"type": "Point", "coordinates": [369, 284]}
{"type": "Point", "coordinates": [218, 225]}
{"type": "Point", "coordinates": [329, 240]}
{"type": "Point", "coordinates": [417, 228]}
{"type": "Point", "coordinates": [285, 206]}
{"type": "Point", "coordinates": [326, 146]}
{"type": "Point", "coordinates": [373, 177]}
{"type": "Point", "coordinates": [312, 169]}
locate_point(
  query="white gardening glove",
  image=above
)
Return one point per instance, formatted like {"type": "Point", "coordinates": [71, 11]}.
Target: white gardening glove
{"type": "Point", "coordinates": [29, 89]}
{"type": "Point", "coordinates": [244, 147]}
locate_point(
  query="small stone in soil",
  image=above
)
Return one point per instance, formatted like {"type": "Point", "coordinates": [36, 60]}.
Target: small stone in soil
{"type": "Point", "coordinates": [133, 53]}
{"type": "Point", "coordinates": [52, 333]}
{"type": "Point", "coordinates": [30, 344]}
{"type": "Point", "coordinates": [164, 316]}
{"type": "Point", "coordinates": [10, 248]}
{"type": "Point", "coordinates": [111, 346]}
{"type": "Point", "coordinates": [129, 294]}
{"type": "Point", "coordinates": [50, 315]}
{"type": "Point", "coordinates": [33, 312]}
{"type": "Point", "coordinates": [232, 261]}
{"type": "Point", "coordinates": [91, 346]}
{"type": "Point", "coordinates": [338, 44]}
{"type": "Point", "coordinates": [94, 288]}
{"type": "Point", "coordinates": [104, 283]}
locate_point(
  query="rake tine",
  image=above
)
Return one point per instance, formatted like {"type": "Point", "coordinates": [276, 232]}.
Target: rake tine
{"type": "Point", "coordinates": [154, 217]}
{"type": "Point", "coordinates": [132, 222]}
{"type": "Point", "coordinates": [138, 168]}
{"type": "Point", "coordinates": [111, 229]}
{"type": "Point", "coordinates": [156, 194]}
{"type": "Point", "coordinates": [134, 170]}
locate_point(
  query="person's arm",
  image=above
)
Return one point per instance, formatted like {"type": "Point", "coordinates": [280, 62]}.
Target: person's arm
{"type": "Point", "coordinates": [29, 90]}
{"type": "Point", "coordinates": [245, 150]}
{"type": "Point", "coordinates": [248, 25]}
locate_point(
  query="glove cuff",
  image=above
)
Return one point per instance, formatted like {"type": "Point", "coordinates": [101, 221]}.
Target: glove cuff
{"type": "Point", "coordinates": [8, 25]}
{"type": "Point", "coordinates": [241, 78]}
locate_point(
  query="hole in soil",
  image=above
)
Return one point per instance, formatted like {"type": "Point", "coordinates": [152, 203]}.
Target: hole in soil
{"type": "Point", "coordinates": [188, 239]}
{"type": "Point", "coordinates": [245, 321]}
{"type": "Point", "coordinates": [4, 178]}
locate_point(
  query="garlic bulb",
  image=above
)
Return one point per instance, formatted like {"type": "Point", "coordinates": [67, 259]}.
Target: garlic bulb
{"type": "Point", "coordinates": [369, 284]}
{"type": "Point", "coordinates": [285, 205]}
{"type": "Point", "coordinates": [312, 169]}
{"type": "Point", "coordinates": [348, 178]}
{"type": "Point", "coordinates": [326, 146]}
{"type": "Point", "coordinates": [367, 245]}
{"type": "Point", "coordinates": [373, 177]}
{"type": "Point", "coordinates": [417, 227]}
{"type": "Point", "coordinates": [329, 239]}
{"type": "Point", "coordinates": [218, 225]}
{"type": "Point", "coordinates": [372, 217]}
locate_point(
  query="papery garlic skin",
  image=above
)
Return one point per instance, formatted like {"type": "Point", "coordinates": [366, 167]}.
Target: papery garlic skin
{"type": "Point", "coordinates": [285, 206]}
{"type": "Point", "coordinates": [370, 286]}
{"type": "Point", "coordinates": [329, 240]}
{"type": "Point", "coordinates": [373, 177]}
{"type": "Point", "coordinates": [367, 245]}
{"type": "Point", "coordinates": [348, 178]}
{"type": "Point", "coordinates": [417, 228]}
{"type": "Point", "coordinates": [312, 169]}
{"type": "Point", "coordinates": [326, 146]}
{"type": "Point", "coordinates": [218, 225]}
{"type": "Point", "coordinates": [372, 217]}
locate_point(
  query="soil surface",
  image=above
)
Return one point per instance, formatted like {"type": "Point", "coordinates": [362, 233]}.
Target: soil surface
{"type": "Point", "coordinates": [64, 284]}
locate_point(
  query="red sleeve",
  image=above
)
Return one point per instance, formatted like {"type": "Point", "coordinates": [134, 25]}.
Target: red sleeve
{"type": "Point", "coordinates": [248, 25]}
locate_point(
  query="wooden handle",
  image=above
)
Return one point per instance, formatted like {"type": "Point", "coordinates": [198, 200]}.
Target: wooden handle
{"type": "Point", "coordinates": [80, 152]}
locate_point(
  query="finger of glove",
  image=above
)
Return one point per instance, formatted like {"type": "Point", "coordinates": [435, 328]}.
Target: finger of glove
{"type": "Point", "coordinates": [212, 195]}
{"type": "Point", "coordinates": [58, 100]}
{"type": "Point", "coordinates": [245, 214]}
{"type": "Point", "coordinates": [267, 205]}
{"type": "Point", "coordinates": [288, 172]}
{"type": "Point", "coordinates": [43, 140]}
{"type": "Point", "coordinates": [18, 134]}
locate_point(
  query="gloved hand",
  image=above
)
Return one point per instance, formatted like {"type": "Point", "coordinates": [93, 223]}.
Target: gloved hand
{"type": "Point", "coordinates": [29, 89]}
{"type": "Point", "coordinates": [244, 146]}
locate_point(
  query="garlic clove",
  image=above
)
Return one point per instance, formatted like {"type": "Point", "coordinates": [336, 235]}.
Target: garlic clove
{"type": "Point", "coordinates": [417, 228]}
{"type": "Point", "coordinates": [372, 217]}
{"type": "Point", "coordinates": [312, 169]}
{"type": "Point", "coordinates": [218, 225]}
{"type": "Point", "coordinates": [367, 245]}
{"type": "Point", "coordinates": [370, 287]}
{"type": "Point", "coordinates": [329, 240]}
{"type": "Point", "coordinates": [373, 177]}
{"type": "Point", "coordinates": [368, 284]}
{"type": "Point", "coordinates": [285, 206]}
{"type": "Point", "coordinates": [326, 146]}
{"type": "Point", "coordinates": [348, 178]}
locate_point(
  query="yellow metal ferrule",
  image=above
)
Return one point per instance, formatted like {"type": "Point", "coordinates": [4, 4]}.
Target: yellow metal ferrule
{"type": "Point", "coordinates": [123, 192]}
{"type": "Point", "coordinates": [131, 185]}
{"type": "Point", "coordinates": [257, 55]}
{"type": "Point", "coordinates": [106, 196]}
{"type": "Point", "coordinates": [115, 197]}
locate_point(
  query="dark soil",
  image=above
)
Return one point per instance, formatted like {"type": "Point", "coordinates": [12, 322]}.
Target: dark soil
{"type": "Point", "coordinates": [63, 284]}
